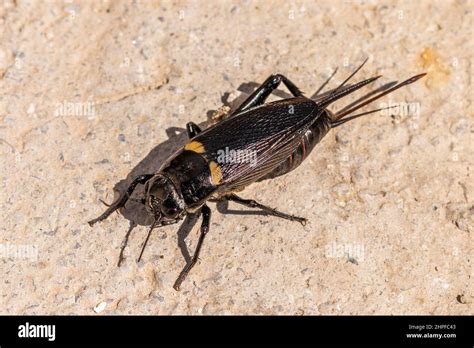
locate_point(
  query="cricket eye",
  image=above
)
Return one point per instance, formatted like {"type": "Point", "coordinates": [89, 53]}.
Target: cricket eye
{"type": "Point", "coordinates": [169, 207]}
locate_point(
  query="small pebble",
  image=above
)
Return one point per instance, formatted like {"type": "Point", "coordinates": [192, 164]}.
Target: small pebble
{"type": "Point", "coordinates": [100, 307]}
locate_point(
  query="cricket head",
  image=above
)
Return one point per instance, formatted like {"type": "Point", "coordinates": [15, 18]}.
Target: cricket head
{"type": "Point", "coordinates": [162, 198]}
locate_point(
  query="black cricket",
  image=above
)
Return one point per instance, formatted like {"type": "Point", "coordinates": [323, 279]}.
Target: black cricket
{"type": "Point", "coordinates": [279, 135]}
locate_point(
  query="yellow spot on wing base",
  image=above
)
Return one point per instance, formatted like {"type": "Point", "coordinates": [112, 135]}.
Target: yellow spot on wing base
{"type": "Point", "coordinates": [216, 173]}
{"type": "Point", "coordinates": [195, 146]}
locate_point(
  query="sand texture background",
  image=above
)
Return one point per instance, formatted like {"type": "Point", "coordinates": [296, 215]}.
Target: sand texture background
{"type": "Point", "coordinates": [93, 93]}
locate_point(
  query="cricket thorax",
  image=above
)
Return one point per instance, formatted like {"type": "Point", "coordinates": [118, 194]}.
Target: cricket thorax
{"type": "Point", "coordinates": [193, 173]}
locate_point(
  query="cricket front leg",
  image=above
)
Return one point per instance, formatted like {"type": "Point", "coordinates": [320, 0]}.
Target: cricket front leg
{"type": "Point", "coordinates": [206, 219]}
{"type": "Point", "coordinates": [120, 202]}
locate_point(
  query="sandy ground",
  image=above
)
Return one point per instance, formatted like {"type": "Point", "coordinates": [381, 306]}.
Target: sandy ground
{"type": "Point", "coordinates": [94, 93]}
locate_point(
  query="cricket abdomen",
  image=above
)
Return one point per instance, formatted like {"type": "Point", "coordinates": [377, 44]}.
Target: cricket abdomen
{"type": "Point", "coordinates": [313, 136]}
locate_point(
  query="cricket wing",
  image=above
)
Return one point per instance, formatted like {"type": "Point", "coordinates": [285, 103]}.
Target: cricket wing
{"type": "Point", "coordinates": [252, 143]}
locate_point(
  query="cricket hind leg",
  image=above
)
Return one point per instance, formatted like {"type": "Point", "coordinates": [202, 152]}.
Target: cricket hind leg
{"type": "Point", "coordinates": [120, 202]}
{"type": "Point", "coordinates": [206, 220]}
{"type": "Point", "coordinates": [270, 211]}
{"type": "Point", "coordinates": [266, 88]}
